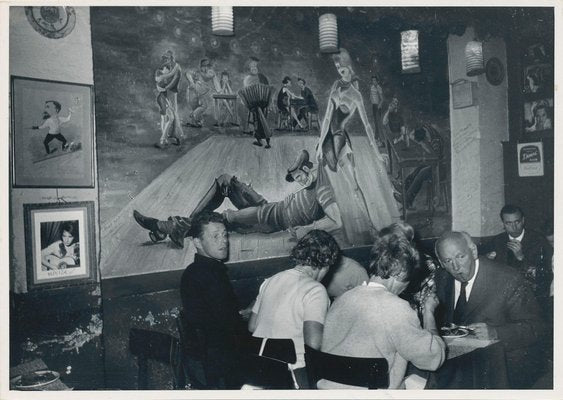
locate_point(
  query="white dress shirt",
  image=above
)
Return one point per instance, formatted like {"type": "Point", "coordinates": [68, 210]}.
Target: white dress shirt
{"type": "Point", "coordinates": [457, 284]}
{"type": "Point", "coordinates": [519, 238]}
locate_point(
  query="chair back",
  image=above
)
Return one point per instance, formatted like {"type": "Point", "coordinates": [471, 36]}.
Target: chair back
{"type": "Point", "coordinates": [278, 349]}
{"type": "Point", "coordinates": [152, 345]}
{"type": "Point", "coordinates": [372, 373]}
{"type": "Point", "coordinates": [266, 362]}
{"type": "Point", "coordinates": [192, 340]}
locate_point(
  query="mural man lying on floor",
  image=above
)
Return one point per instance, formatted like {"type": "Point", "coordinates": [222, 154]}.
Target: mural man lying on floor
{"type": "Point", "coordinates": [312, 207]}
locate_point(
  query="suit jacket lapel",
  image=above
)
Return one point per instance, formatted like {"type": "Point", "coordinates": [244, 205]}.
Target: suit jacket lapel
{"type": "Point", "coordinates": [479, 290]}
{"type": "Point", "coordinates": [449, 297]}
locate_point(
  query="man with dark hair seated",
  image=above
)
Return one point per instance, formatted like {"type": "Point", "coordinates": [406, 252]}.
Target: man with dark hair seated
{"type": "Point", "coordinates": [210, 306]}
{"type": "Point", "coordinates": [293, 303]}
{"type": "Point", "coordinates": [517, 246]}
{"type": "Point", "coordinates": [372, 321]}
{"type": "Point", "coordinates": [522, 248]}
{"type": "Point", "coordinates": [312, 207]}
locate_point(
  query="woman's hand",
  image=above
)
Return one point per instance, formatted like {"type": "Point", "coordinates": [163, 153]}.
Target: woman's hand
{"type": "Point", "coordinates": [430, 303]}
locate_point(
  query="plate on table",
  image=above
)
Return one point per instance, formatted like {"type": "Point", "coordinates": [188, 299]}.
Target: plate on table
{"type": "Point", "coordinates": [454, 332]}
{"type": "Point", "coordinates": [34, 380]}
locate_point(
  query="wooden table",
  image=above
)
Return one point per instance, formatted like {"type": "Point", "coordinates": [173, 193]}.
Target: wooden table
{"type": "Point", "coordinates": [294, 106]}
{"type": "Point", "coordinates": [460, 346]}
{"type": "Point", "coordinates": [471, 364]}
{"type": "Point", "coordinates": [410, 157]}
{"type": "Point", "coordinates": [36, 365]}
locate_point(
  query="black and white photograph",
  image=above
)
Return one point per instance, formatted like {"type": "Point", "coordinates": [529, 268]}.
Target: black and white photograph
{"type": "Point", "coordinates": [537, 78]}
{"type": "Point", "coordinates": [208, 199]}
{"type": "Point", "coordinates": [59, 242]}
{"type": "Point", "coordinates": [538, 115]}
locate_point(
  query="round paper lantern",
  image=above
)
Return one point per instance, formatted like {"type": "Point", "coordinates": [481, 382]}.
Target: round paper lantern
{"type": "Point", "coordinates": [328, 33]}
{"type": "Point", "coordinates": [474, 62]}
{"type": "Point", "coordinates": [222, 20]}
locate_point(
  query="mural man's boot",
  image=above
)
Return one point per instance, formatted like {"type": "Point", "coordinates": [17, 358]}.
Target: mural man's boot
{"type": "Point", "coordinates": [150, 224]}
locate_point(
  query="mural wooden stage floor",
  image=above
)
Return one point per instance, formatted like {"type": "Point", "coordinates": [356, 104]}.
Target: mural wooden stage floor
{"type": "Point", "coordinates": [126, 247]}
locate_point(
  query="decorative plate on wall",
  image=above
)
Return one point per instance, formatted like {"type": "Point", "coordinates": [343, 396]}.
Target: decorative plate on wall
{"type": "Point", "coordinates": [52, 22]}
{"type": "Point", "coordinates": [494, 71]}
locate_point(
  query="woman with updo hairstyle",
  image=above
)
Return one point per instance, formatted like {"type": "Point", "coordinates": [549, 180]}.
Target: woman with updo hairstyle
{"type": "Point", "coordinates": [372, 321]}
{"type": "Point", "coordinates": [334, 152]}
{"type": "Point", "coordinates": [293, 303]}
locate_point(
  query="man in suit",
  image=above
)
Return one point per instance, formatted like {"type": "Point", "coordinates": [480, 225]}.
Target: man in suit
{"type": "Point", "coordinates": [519, 247]}
{"type": "Point", "coordinates": [494, 300]}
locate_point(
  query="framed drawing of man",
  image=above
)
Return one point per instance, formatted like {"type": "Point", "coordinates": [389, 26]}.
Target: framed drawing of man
{"type": "Point", "coordinates": [59, 240]}
{"type": "Point", "coordinates": [52, 129]}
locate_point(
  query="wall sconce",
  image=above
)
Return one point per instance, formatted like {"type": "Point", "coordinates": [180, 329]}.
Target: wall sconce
{"type": "Point", "coordinates": [328, 33]}
{"type": "Point", "coordinates": [474, 62]}
{"type": "Point", "coordinates": [222, 20]}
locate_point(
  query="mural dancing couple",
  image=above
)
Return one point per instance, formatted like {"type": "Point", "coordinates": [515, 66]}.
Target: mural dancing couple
{"type": "Point", "coordinates": [315, 205]}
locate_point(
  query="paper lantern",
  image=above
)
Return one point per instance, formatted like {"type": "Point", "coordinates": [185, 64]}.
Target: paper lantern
{"type": "Point", "coordinates": [328, 33]}
{"type": "Point", "coordinates": [474, 62]}
{"type": "Point", "coordinates": [409, 51]}
{"type": "Point", "coordinates": [222, 21]}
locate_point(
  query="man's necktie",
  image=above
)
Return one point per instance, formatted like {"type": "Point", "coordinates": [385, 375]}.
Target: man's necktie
{"type": "Point", "coordinates": [461, 304]}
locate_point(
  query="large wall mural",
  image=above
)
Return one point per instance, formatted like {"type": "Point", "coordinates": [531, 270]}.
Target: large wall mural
{"type": "Point", "coordinates": [259, 126]}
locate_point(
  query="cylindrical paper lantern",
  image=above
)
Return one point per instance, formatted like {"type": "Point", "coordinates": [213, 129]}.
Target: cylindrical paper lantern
{"type": "Point", "coordinates": [474, 62]}
{"type": "Point", "coordinates": [328, 33]}
{"type": "Point", "coordinates": [222, 21]}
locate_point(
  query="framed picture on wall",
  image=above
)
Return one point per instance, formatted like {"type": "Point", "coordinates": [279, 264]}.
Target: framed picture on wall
{"type": "Point", "coordinates": [538, 115]}
{"type": "Point", "coordinates": [52, 127]}
{"type": "Point", "coordinates": [59, 244]}
{"type": "Point", "coordinates": [538, 78]}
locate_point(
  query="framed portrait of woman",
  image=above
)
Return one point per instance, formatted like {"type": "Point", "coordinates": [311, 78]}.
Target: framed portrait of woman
{"type": "Point", "coordinates": [59, 243]}
{"type": "Point", "coordinates": [538, 115]}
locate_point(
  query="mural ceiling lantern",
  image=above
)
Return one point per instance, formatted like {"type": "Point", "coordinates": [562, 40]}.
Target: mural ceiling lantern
{"type": "Point", "coordinates": [328, 33]}
{"type": "Point", "coordinates": [222, 20]}
{"type": "Point", "coordinates": [474, 62]}
{"type": "Point", "coordinates": [409, 51]}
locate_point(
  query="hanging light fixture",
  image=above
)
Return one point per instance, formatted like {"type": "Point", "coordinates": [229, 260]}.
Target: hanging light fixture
{"type": "Point", "coordinates": [474, 62]}
{"type": "Point", "coordinates": [328, 33]}
{"type": "Point", "coordinates": [222, 20]}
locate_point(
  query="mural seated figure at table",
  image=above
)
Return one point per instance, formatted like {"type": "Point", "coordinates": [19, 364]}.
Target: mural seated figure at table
{"type": "Point", "coordinates": [285, 95]}
{"type": "Point", "coordinates": [310, 103]}
{"type": "Point", "coordinates": [311, 207]}
{"type": "Point", "coordinates": [335, 149]}
{"type": "Point", "coordinates": [492, 299]}
{"type": "Point", "coordinates": [426, 138]}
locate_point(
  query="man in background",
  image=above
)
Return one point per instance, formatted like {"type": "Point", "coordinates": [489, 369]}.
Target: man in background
{"type": "Point", "coordinates": [520, 247]}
